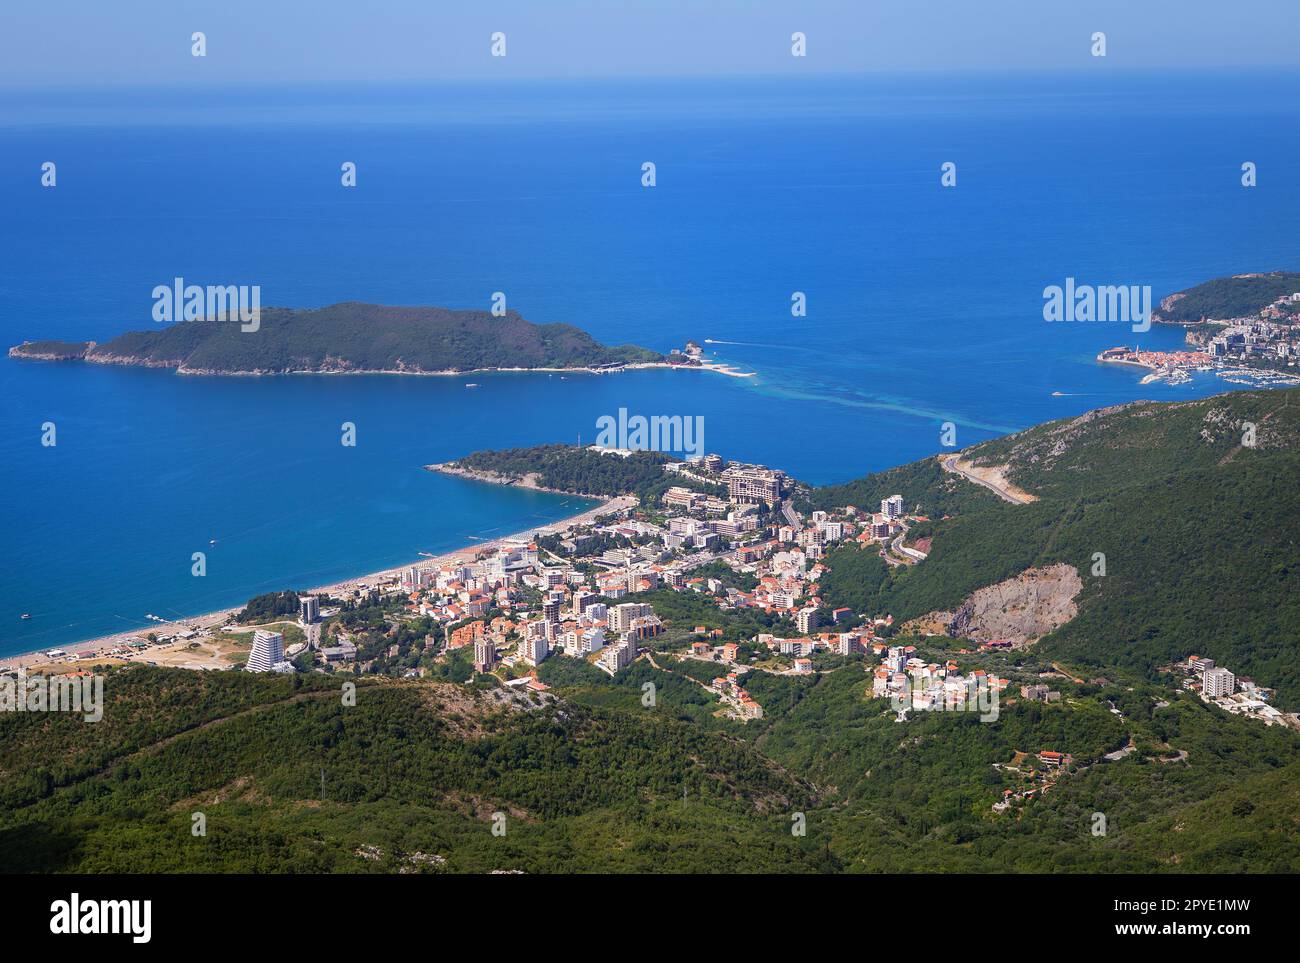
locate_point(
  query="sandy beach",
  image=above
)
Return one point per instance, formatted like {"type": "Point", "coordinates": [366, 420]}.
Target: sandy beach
{"type": "Point", "coordinates": [179, 654]}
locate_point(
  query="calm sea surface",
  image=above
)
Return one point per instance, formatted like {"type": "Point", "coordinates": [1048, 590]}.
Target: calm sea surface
{"type": "Point", "coordinates": [924, 304]}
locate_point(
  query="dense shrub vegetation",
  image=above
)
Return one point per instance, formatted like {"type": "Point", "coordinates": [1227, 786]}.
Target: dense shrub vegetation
{"type": "Point", "coordinates": [1232, 297]}
{"type": "Point", "coordinates": [371, 337]}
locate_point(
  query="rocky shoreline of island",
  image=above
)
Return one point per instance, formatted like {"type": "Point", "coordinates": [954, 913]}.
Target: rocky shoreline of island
{"type": "Point", "coordinates": [31, 351]}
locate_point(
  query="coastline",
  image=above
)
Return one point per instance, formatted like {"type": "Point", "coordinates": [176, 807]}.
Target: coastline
{"type": "Point", "coordinates": [176, 653]}
{"type": "Point", "coordinates": [180, 369]}
{"type": "Point", "coordinates": [528, 481]}
{"type": "Point", "coordinates": [1131, 364]}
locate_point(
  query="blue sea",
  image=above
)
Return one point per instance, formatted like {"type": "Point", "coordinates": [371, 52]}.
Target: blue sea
{"type": "Point", "coordinates": [924, 304]}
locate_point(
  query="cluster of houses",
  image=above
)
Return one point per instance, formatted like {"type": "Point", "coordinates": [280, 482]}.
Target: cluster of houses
{"type": "Point", "coordinates": [1052, 765]}
{"type": "Point", "coordinates": [741, 705]}
{"type": "Point", "coordinates": [914, 684]}
{"type": "Point", "coordinates": [517, 603]}
{"type": "Point", "coordinates": [1273, 334]}
{"type": "Point", "coordinates": [1236, 694]}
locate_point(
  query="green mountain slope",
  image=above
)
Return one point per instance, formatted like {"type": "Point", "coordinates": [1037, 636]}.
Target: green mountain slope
{"type": "Point", "coordinates": [1201, 537]}
{"type": "Point", "coordinates": [290, 779]}
{"type": "Point", "coordinates": [1144, 441]}
{"type": "Point", "coordinates": [412, 777]}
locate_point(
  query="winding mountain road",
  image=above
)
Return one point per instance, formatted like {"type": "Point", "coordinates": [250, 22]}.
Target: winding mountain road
{"type": "Point", "coordinates": [950, 464]}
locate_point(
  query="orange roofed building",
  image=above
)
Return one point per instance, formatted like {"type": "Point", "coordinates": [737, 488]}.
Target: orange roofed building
{"type": "Point", "coordinates": [466, 635]}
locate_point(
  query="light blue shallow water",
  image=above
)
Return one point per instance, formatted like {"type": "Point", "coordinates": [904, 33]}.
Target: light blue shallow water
{"type": "Point", "coordinates": [924, 303]}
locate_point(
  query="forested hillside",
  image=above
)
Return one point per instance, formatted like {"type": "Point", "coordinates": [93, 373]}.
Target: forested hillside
{"type": "Point", "coordinates": [359, 337]}
{"type": "Point", "coordinates": [1232, 297]}
{"type": "Point", "coordinates": [292, 780]}
{"type": "Point", "coordinates": [414, 777]}
{"type": "Point", "coordinates": [582, 471]}
{"type": "Point", "coordinates": [1200, 536]}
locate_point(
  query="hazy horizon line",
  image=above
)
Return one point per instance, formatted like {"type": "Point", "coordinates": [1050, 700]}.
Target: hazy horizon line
{"type": "Point", "coordinates": [1066, 70]}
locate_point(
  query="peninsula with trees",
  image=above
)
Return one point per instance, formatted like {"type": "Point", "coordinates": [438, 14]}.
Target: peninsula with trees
{"type": "Point", "coordinates": [1244, 328]}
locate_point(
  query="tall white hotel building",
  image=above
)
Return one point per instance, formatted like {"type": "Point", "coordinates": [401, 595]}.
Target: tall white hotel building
{"type": "Point", "coordinates": [268, 649]}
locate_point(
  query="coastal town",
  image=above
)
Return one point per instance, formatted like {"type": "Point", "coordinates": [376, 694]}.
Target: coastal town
{"type": "Point", "coordinates": [598, 591]}
{"type": "Point", "coordinates": [1260, 349]}
{"type": "Point", "coordinates": [706, 589]}
{"type": "Point", "coordinates": [727, 532]}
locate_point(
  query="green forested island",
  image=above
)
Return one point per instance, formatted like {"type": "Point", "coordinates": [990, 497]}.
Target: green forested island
{"type": "Point", "coordinates": [352, 337]}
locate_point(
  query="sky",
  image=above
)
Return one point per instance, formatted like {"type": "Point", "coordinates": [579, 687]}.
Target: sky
{"type": "Point", "coordinates": [77, 43]}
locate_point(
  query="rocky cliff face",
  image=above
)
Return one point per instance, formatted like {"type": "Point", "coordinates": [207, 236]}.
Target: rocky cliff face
{"type": "Point", "coordinates": [1022, 609]}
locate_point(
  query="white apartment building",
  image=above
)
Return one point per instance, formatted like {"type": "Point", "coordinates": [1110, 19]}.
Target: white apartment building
{"type": "Point", "coordinates": [621, 616]}
{"type": "Point", "coordinates": [268, 649]}
{"type": "Point", "coordinates": [753, 483]}
{"type": "Point", "coordinates": [806, 620]}
{"type": "Point", "coordinates": [308, 609]}
{"type": "Point", "coordinates": [1218, 682]}
{"type": "Point", "coordinates": [534, 650]}
{"type": "Point", "coordinates": [619, 656]}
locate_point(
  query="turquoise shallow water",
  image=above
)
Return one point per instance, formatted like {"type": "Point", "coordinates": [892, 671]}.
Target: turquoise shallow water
{"type": "Point", "coordinates": [924, 304]}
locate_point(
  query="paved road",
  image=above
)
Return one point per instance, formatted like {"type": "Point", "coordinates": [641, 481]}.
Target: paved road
{"type": "Point", "coordinates": [910, 553]}
{"type": "Point", "coordinates": [791, 516]}
{"type": "Point", "coordinates": [949, 463]}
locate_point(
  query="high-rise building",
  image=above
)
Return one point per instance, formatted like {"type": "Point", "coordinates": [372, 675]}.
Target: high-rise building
{"type": "Point", "coordinates": [485, 654]}
{"type": "Point", "coordinates": [534, 650]}
{"type": "Point", "coordinates": [551, 610]}
{"type": "Point", "coordinates": [621, 616]}
{"type": "Point", "coordinates": [619, 656]}
{"type": "Point", "coordinates": [806, 620]}
{"type": "Point", "coordinates": [753, 483]}
{"type": "Point", "coordinates": [268, 649]}
{"type": "Point", "coordinates": [1218, 682]}
{"type": "Point", "coordinates": [892, 507]}
{"type": "Point", "coordinates": [308, 609]}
